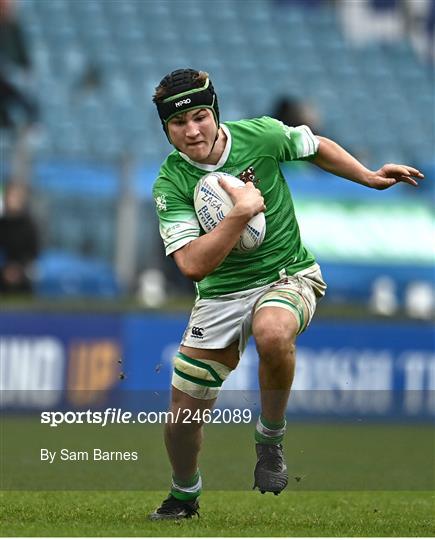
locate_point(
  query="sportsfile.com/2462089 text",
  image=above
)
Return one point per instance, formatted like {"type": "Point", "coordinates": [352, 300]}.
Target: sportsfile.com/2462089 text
{"type": "Point", "coordinates": [118, 416]}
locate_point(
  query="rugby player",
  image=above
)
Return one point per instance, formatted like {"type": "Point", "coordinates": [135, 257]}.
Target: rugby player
{"type": "Point", "coordinates": [270, 292]}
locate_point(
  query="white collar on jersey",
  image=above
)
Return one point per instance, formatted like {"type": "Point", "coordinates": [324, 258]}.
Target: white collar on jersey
{"type": "Point", "coordinates": [221, 162]}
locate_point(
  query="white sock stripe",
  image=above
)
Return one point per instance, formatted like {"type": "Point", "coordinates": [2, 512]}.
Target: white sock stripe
{"type": "Point", "coordinates": [261, 428]}
{"type": "Point", "coordinates": [190, 489]}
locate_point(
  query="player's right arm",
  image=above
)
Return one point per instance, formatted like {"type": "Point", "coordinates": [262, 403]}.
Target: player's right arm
{"type": "Point", "coordinates": [201, 256]}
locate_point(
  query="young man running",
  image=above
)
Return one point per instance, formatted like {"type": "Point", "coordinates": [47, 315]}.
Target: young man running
{"type": "Point", "coordinates": [270, 293]}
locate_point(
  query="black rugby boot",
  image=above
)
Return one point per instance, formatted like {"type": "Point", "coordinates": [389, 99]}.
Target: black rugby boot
{"type": "Point", "coordinates": [271, 470]}
{"type": "Point", "coordinates": [173, 508]}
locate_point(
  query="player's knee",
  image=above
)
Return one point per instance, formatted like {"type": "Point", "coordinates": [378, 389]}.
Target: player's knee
{"type": "Point", "coordinates": [200, 379]}
{"type": "Point", "coordinates": [274, 336]}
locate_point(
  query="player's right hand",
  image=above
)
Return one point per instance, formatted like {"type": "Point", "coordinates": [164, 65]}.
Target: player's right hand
{"type": "Point", "coordinates": [248, 200]}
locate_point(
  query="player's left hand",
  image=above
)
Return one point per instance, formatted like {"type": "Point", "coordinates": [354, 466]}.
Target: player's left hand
{"type": "Point", "coordinates": [390, 174]}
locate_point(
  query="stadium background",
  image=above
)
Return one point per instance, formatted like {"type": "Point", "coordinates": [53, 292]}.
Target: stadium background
{"type": "Point", "coordinates": [103, 290]}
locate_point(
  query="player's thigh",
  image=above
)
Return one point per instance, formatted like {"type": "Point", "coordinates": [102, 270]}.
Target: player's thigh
{"type": "Point", "coordinates": [289, 302]}
{"type": "Point", "coordinates": [228, 356]}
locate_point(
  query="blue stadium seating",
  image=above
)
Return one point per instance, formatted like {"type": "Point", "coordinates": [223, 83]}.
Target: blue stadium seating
{"type": "Point", "coordinates": [375, 100]}
{"type": "Point", "coordinates": [269, 47]}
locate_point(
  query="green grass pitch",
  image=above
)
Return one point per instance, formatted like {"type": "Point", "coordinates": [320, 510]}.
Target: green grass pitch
{"type": "Point", "coordinates": [345, 479]}
{"type": "Point", "coordinates": [223, 513]}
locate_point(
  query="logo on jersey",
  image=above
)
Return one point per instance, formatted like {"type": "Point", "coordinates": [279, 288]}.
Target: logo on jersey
{"type": "Point", "coordinates": [160, 201]}
{"type": "Point", "coordinates": [248, 175]}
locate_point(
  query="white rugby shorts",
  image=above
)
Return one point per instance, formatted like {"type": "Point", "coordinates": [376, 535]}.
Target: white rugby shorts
{"type": "Point", "coordinates": [215, 323]}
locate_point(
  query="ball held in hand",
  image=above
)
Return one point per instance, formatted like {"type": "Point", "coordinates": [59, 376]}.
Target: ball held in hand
{"type": "Point", "coordinates": [212, 204]}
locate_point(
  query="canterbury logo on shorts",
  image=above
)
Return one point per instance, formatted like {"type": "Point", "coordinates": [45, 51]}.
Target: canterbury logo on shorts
{"type": "Point", "coordinates": [197, 332]}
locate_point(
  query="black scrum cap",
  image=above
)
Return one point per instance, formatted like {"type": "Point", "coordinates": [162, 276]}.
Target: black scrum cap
{"type": "Point", "coordinates": [185, 92]}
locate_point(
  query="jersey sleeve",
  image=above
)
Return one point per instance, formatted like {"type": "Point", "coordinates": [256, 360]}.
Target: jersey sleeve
{"type": "Point", "coordinates": [291, 143]}
{"type": "Point", "coordinates": [178, 223]}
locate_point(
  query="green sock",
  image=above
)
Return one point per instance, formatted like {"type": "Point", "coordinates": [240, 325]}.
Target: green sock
{"type": "Point", "coordinates": [187, 490]}
{"type": "Point", "coordinates": [269, 432]}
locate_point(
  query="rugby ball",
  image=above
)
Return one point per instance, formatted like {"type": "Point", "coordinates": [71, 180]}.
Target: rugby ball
{"type": "Point", "coordinates": [212, 204]}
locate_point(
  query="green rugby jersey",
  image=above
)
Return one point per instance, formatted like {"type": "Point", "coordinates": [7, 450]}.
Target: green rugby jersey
{"type": "Point", "coordinates": [261, 144]}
